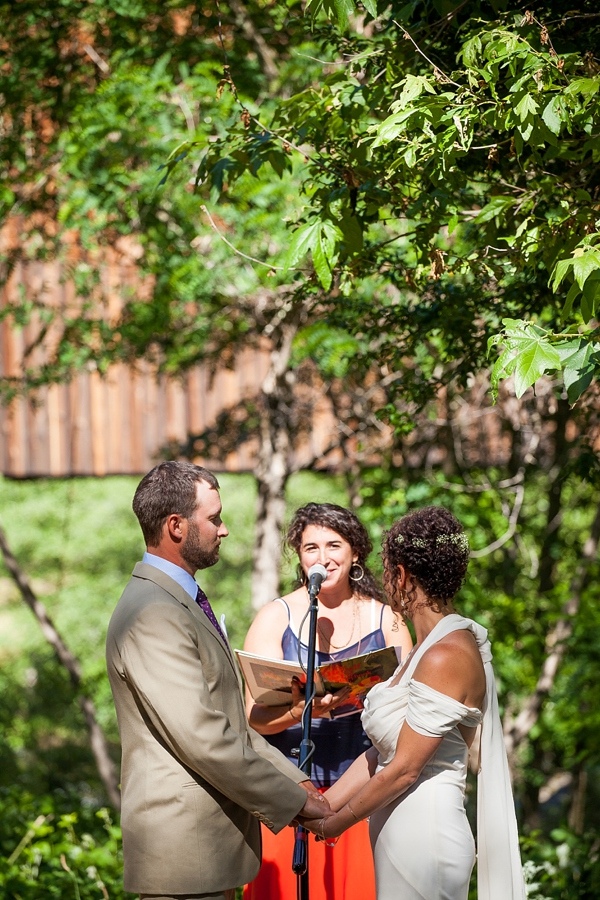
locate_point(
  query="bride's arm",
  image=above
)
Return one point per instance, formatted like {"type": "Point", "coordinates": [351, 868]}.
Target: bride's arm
{"type": "Point", "coordinates": [361, 793]}
{"type": "Point", "coordinates": [443, 668]}
{"type": "Point", "coordinates": [353, 779]}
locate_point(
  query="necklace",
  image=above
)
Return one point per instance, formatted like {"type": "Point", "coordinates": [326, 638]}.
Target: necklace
{"type": "Point", "coordinates": [349, 639]}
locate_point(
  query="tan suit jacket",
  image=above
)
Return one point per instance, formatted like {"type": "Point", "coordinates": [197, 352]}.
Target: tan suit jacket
{"type": "Point", "coordinates": [195, 778]}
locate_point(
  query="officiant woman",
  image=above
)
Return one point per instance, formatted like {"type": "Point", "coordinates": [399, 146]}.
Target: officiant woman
{"type": "Point", "coordinates": [352, 619]}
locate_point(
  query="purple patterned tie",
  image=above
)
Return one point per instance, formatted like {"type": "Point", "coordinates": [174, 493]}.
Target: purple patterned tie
{"type": "Point", "coordinates": [203, 603]}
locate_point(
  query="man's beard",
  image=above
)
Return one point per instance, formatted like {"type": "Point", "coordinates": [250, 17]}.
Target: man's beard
{"type": "Point", "coordinates": [194, 553]}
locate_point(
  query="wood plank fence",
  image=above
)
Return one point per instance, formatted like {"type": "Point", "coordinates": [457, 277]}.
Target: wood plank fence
{"type": "Point", "coordinates": [122, 422]}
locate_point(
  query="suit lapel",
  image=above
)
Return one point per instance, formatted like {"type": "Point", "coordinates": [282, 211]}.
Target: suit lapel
{"type": "Point", "coordinates": [164, 581]}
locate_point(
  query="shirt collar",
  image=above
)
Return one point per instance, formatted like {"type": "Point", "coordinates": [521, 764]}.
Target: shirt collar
{"type": "Point", "coordinates": [183, 578]}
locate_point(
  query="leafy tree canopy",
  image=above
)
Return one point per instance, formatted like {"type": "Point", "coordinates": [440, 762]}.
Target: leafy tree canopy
{"type": "Point", "coordinates": [450, 159]}
{"type": "Point", "coordinates": [414, 183]}
{"type": "Point", "coordinates": [93, 99]}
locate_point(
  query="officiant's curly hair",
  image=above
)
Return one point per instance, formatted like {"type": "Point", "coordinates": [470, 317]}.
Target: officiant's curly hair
{"type": "Point", "coordinates": [433, 548]}
{"type": "Point", "coordinates": [345, 523]}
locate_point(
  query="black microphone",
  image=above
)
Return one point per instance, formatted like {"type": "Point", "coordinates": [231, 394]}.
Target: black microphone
{"type": "Point", "coordinates": [317, 574]}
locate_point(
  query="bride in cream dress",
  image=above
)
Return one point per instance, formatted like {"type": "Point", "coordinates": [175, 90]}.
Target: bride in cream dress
{"type": "Point", "coordinates": [422, 722]}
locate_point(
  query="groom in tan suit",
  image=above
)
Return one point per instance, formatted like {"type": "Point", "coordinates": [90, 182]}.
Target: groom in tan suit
{"type": "Point", "coordinates": [196, 779]}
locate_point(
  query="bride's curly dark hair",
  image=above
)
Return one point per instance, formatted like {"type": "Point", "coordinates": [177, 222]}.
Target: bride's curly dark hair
{"type": "Point", "coordinates": [432, 546]}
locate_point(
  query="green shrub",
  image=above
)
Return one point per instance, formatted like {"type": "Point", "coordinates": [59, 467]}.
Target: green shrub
{"type": "Point", "coordinates": [47, 850]}
{"type": "Point", "coordinates": [563, 866]}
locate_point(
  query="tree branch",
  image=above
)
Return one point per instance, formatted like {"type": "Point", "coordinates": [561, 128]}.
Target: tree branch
{"type": "Point", "coordinates": [98, 743]}
{"type": "Point", "coordinates": [267, 56]}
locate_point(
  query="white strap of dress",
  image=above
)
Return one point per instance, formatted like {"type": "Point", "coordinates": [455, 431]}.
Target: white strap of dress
{"type": "Point", "coordinates": [499, 869]}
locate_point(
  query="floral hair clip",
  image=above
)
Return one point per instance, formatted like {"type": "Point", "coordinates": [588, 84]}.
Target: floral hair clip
{"type": "Point", "coordinates": [459, 538]}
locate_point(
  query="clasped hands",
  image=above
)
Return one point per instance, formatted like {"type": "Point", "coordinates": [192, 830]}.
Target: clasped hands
{"type": "Point", "coordinates": [316, 811]}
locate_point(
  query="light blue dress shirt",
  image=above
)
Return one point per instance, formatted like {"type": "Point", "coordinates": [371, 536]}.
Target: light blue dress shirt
{"type": "Point", "coordinates": [183, 578]}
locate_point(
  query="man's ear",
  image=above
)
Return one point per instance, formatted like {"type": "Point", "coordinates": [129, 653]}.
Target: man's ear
{"type": "Point", "coordinates": [175, 527]}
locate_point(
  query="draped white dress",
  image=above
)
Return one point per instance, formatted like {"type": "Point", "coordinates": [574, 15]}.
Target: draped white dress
{"type": "Point", "coordinates": [422, 842]}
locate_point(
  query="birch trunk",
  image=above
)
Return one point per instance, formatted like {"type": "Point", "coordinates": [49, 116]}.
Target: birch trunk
{"type": "Point", "coordinates": [274, 467]}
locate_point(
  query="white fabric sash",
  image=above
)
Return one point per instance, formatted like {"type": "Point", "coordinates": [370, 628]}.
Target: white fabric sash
{"type": "Point", "coordinates": [499, 869]}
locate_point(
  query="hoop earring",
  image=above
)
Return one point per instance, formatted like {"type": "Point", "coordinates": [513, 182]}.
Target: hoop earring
{"type": "Point", "coordinates": [356, 577]}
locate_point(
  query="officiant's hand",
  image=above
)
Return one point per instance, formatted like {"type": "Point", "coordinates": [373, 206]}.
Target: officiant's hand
{"type": "Point", "coordinates": [321, 706]}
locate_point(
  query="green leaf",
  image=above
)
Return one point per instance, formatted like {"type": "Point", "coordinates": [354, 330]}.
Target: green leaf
{"type": "Point", "coordinates": [526, 107]}
{"type": "Point", "coordinates": [584, 265]}
{"type": "Point", "coordinates": [343, 11]}
{"type": "Point", "coordinates": [352, 233]}
{"type": "Point", "coordinates": [391, 127]}
{"type": "Point", "coordinates": [337, 10]}
{"type": "Point", "coordinates": [573, 293]}
{"type": "Point", "coordinates": [575, 353]}
{"type": "Point", "coordinates": [590, 301]}
{"type": "Point", "coordinates": [324, 252]}
{"type": "Point", "coordinates": [535, 358]}
{"type": "Point", "coordinates": [586, 86]}
{"type": "Point", "coordinates": [576, 382]}
{"type": "Point", "coordinates": [371, 7]}
{"type": "Point", "coordinates": [560, 270]}
{"type": "Point", "coordinates": [452, 223]}
{"type": "Point", "coordinates": [528, 353]}
{"type": "Point", "coordinates": [552, 115]}
{"type": "Point", "coordinates": [495, 207]}
{"type": "Point", "coordinates": [303, 240]}
{"type": "Point", "coordinates": [471, 50]}
{"type": "Point", "coordinates": [502, 368]}
{"type": "Point", "coordinates": [321, 238]}
{"type": "Point", "coordinates": [321, 264]}
{"type": "Point", "coordinates": [410, 156]}
{"type": "Point", "coordinates": [414, 85]}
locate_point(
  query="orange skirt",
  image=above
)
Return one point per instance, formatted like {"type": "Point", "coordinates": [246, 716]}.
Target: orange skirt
{"type": "Point", "coordinates": [343, 872]}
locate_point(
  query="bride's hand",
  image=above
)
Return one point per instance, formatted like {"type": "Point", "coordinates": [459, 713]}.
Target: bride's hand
{"type": "Point", "coordinates": [324, 828]}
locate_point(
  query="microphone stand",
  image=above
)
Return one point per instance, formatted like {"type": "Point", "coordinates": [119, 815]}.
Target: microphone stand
{"type": "Point", "coordinates": [307, 747]}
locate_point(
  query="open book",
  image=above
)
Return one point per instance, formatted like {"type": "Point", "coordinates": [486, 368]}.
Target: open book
{"type": "Point", "coordinates": [270, 680]}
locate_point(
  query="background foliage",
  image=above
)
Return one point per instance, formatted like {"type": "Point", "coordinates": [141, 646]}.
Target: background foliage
{"type": "Point", "coordinates": [80, 541]}
{"type": "Point", "coordinates": [382, 194]}
{"type": "Point", "coordinates": [436, 163]}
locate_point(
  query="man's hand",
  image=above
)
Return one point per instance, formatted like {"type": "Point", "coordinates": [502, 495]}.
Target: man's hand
{"type": "Point", "coordinates": [309, 786]}
{"type": "Point", "coordinates": [316, 806]}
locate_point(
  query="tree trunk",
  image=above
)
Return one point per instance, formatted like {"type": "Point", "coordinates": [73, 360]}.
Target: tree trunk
{"type": "Point", "coordinates": [516, 729]}
{"type": "Point", "coordinates": [554, 515]}
{"type": "Point", "coordinates": [99, 746]}
{"type": "Point", "coordinates": [274, 467]}
{"type": "Point", "coordinates": [577, 810]}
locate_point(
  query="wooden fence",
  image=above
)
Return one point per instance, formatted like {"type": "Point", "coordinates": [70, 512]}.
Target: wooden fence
{"type": "Point", "coordinates": [122, 422]}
